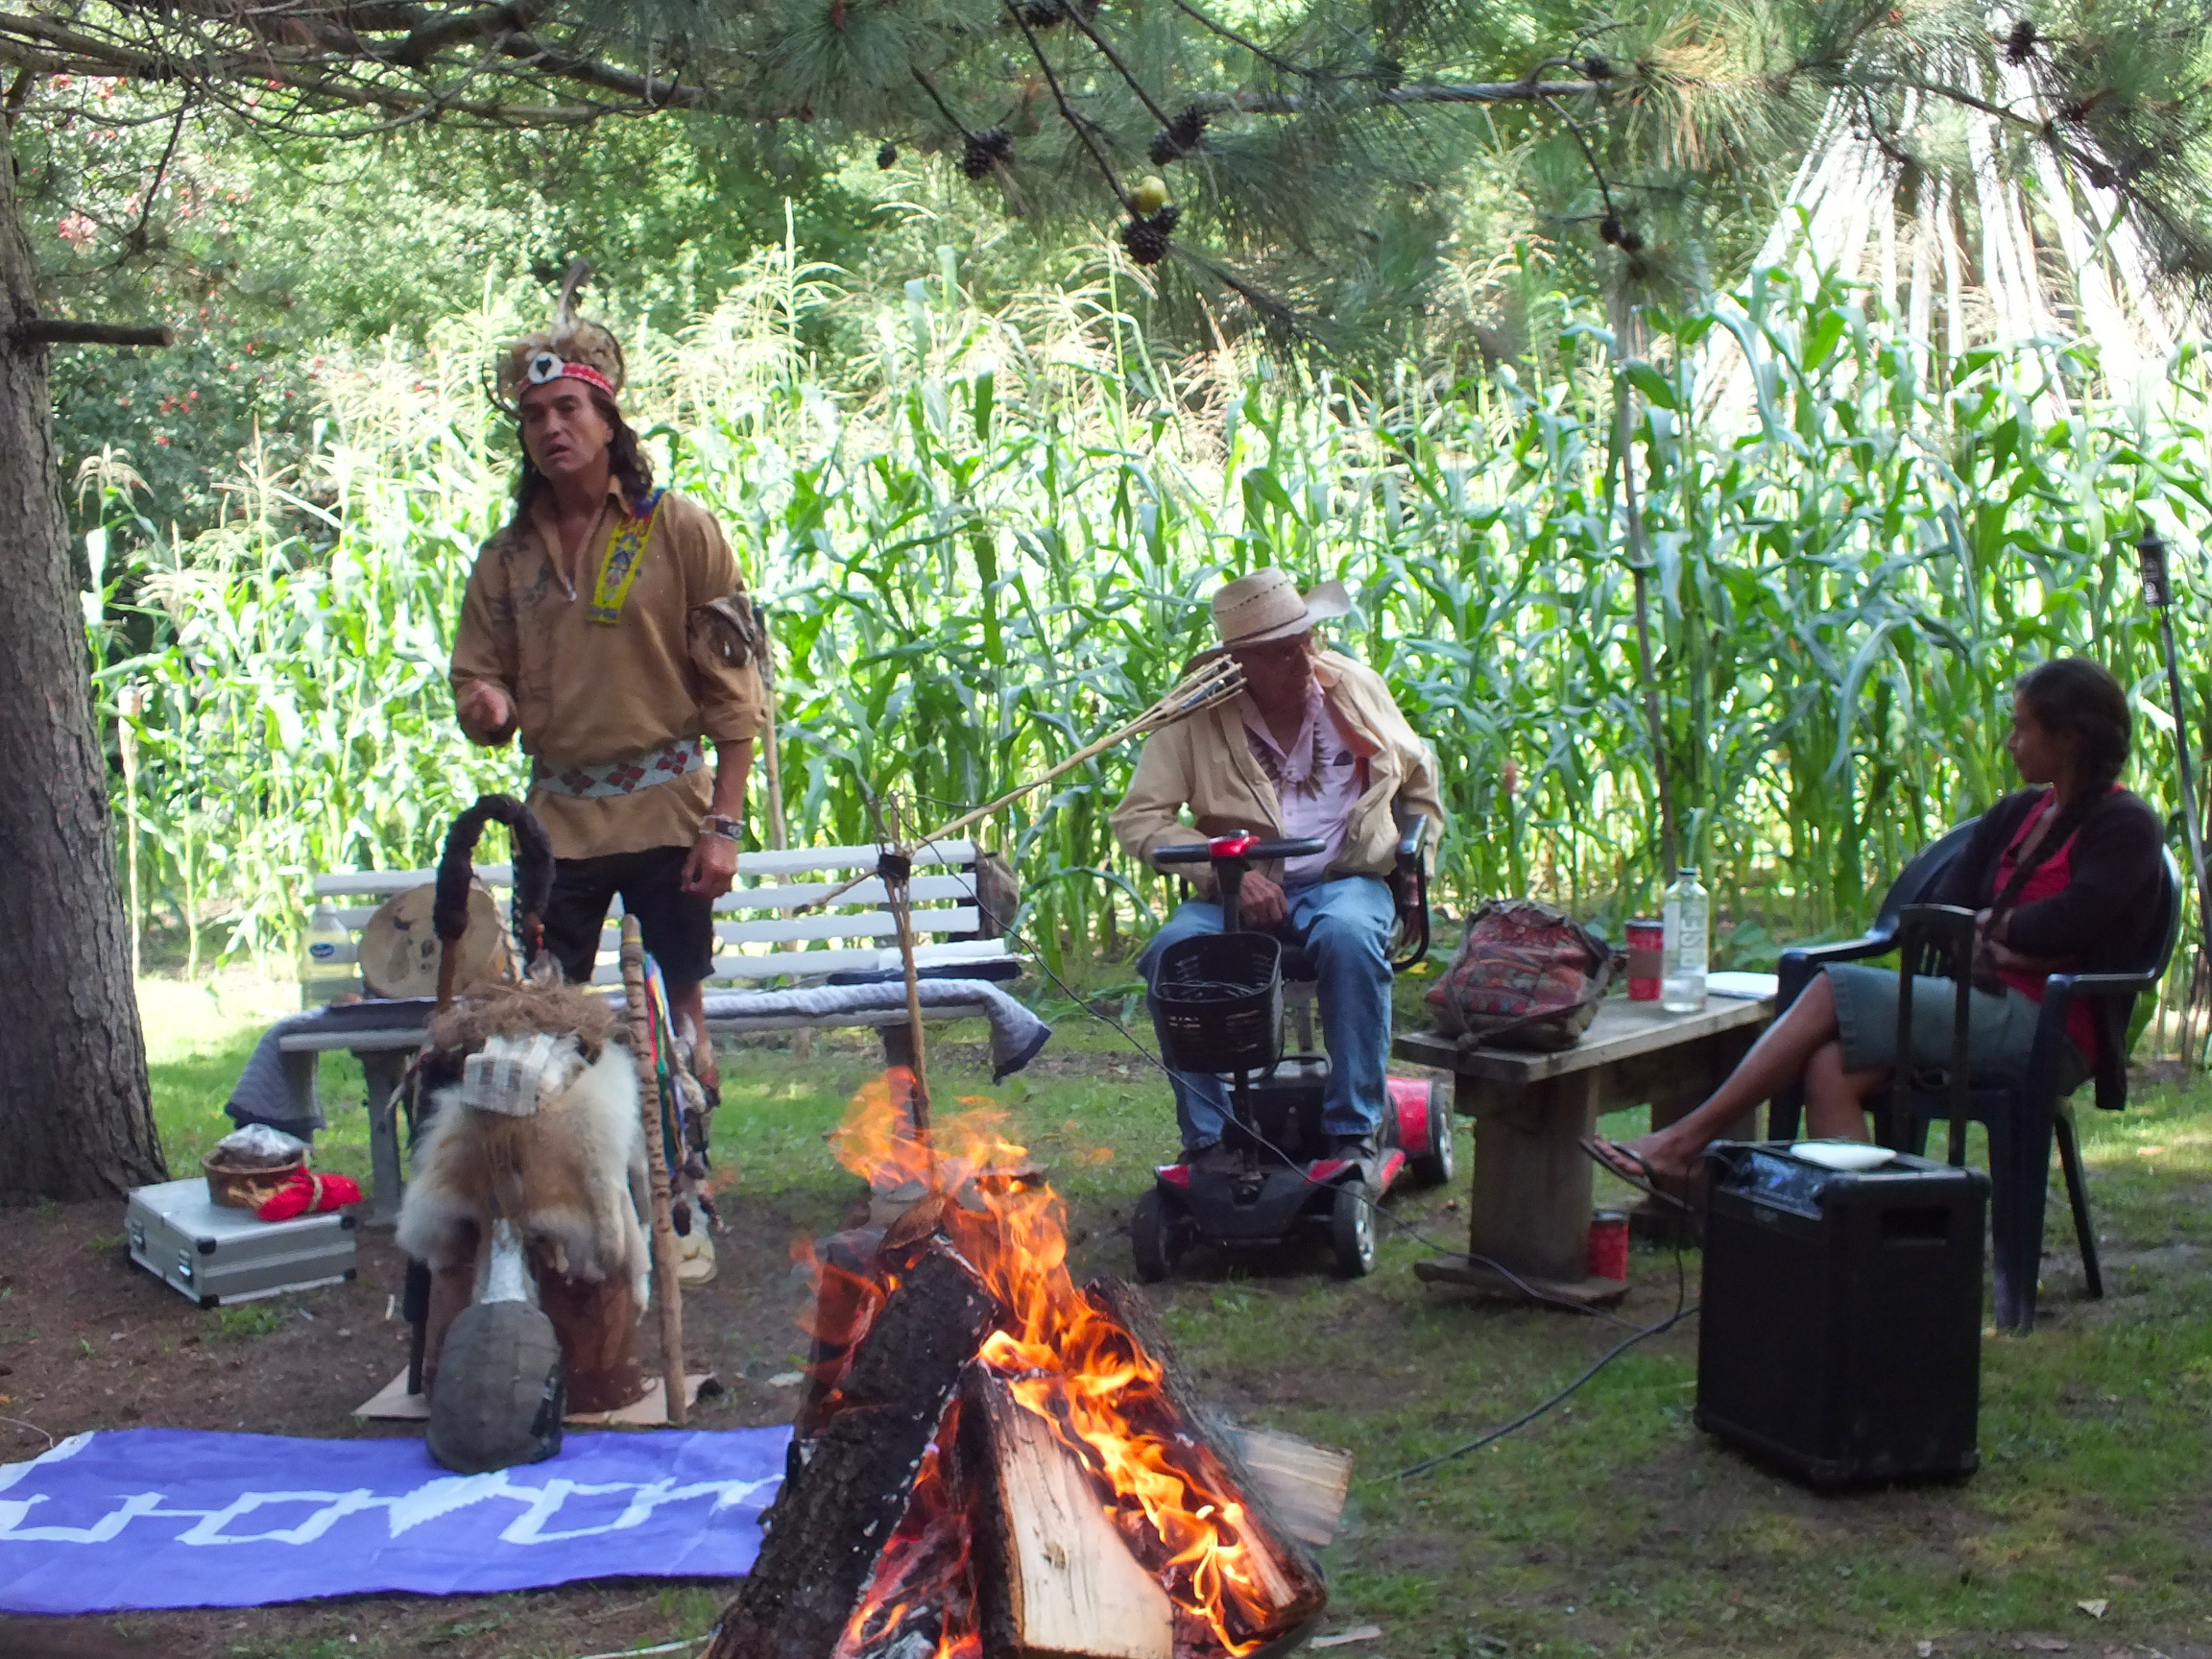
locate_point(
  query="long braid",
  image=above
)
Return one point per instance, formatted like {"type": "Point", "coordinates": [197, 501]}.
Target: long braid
{"type": "Point", "coordinates": [2061, 830]}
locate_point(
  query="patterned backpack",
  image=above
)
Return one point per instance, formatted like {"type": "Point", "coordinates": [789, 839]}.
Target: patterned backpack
{"type": "Point", "coordinates": [1526, 977]}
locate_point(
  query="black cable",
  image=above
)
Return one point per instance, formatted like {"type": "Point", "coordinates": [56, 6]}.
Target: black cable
{"type": "Point", "coordinates": [1491, 1435]}
{"type": "Point", "coordinates": [1683, 1307]}
{"type": "Point", "coordinates": [1374, 1204]}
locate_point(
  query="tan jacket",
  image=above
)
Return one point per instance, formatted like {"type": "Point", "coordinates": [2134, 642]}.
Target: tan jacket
{"type": "Point", "coordinates": [588, 694]}
{"type": "Point", "coordinates": [1205, 764]}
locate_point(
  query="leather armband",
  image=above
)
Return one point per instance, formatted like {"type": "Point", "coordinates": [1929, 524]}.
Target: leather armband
{"type": "Point", "coordinates": [724, 634]}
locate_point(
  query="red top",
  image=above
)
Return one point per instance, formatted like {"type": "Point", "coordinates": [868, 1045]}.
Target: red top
{"type": "Point", "coordinates": [2047, 880]}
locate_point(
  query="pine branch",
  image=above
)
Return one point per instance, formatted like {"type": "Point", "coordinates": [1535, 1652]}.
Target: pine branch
{"type": "Point", "coordinates": [1229, 34]}
{"type": "Point", "coordinates": [1081, 127]}
{"type": "Point", "coordinates": [1075, 14]}
{"type": "Point", "coordinates": [1395, 96]}
{"type": "Point", "coordinates": [942, 109]}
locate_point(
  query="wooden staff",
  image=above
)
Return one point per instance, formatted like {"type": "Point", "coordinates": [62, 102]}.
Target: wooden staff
{"type": "Point", "coordinates": [666, 1290]}
{"type": "Point", "coordinates": [897, 871]}
{"type": "Point", "coordinates": [1220, 677]}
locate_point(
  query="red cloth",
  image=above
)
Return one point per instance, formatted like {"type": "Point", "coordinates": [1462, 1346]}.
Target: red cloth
{"type": "Point", "coordinates": [306, 1192]}
{"type": "Point", "coordinates": [2045, 880]}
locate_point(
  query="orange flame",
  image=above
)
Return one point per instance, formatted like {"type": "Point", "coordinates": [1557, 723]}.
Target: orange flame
{"type": "Point", "coordinates": [1070, 1365]}
{"type": "Point", "coordinates": [921, 1577]}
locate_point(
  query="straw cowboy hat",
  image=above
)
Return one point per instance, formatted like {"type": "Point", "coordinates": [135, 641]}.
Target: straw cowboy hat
{"type": "Point", "coordinates": [1266, 605]}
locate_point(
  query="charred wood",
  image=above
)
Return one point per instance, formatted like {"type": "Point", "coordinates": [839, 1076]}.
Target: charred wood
{"type": "Point", "coordinates": [849, 1485]}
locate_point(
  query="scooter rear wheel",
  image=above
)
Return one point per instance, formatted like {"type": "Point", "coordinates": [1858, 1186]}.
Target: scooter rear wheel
{"type": "Point", "coordinates": [1352, 1230]}
{"type": "Point", "coordinates": [1158, 1237]}
{"type": "Point", "coordinates": [1432, 1164]}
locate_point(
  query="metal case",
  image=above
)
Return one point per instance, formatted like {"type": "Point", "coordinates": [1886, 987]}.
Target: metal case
{"type": "Point", "coordinates": [216, 1255]}
{"type": "Point", "coordinates": [1841, 1331]}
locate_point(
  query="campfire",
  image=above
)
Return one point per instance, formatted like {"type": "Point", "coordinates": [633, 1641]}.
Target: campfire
{"type": "Point", "coordinates": [993, 1463]}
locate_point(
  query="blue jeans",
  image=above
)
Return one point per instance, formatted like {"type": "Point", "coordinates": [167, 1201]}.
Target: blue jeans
{"type": "Point", "coordinates": [1345, 925]}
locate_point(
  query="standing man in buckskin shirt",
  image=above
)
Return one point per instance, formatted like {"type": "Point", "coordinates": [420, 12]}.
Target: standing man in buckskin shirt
{"type": "Point", "coordinates": [608, 624]}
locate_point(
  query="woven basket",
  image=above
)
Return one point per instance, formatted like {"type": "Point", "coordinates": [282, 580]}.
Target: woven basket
{"type": "Point", "coordinates": [240, 1189]}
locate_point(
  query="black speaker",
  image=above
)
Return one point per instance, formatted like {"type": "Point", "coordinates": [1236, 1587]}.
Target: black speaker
{"type": "Point", "coordinates": [1841, 1335]}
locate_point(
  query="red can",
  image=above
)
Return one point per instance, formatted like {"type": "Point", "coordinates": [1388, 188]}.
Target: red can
{"type": "Point", "coordinates": [1646, 939]}
{"type": "Point", "coordinates": [1609, 1245]}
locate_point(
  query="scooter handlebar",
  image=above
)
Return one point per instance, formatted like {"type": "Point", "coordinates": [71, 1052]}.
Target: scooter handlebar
{"type": "Point", "coordinates": [1249, 848]}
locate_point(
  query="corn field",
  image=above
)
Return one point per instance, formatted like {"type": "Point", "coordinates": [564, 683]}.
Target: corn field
{"type": "Point", "coordinates": [982, 538]}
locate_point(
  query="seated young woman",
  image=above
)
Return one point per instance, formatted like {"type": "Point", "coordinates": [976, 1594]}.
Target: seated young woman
{"type": "Point", "coordinates": [2063, 877]}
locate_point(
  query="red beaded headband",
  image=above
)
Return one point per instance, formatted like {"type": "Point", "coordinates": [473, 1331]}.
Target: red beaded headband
{"type": "Point", "coordinates": [547, 366]}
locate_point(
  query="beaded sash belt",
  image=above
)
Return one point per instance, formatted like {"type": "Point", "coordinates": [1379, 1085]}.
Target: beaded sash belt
{"type": "Point", "coordinates": [664, 765]}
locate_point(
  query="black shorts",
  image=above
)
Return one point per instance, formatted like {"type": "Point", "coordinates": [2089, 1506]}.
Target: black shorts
{"type": "Point", "coordinates": [679, 927]}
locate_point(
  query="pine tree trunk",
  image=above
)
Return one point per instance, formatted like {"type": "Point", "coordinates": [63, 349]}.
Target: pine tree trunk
{"type": "Point", "coordinates": [75, 1118]}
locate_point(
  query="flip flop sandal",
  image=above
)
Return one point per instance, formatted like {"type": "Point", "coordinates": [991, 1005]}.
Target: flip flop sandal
{"type": "Point", "coordinates": [1625, 1163]}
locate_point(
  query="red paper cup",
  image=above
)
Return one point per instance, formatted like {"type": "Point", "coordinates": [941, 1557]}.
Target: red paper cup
{"type": "Point", "coordinates": [1609, 1245]}
{"type": "Point", "coordinates": [1646, 940]}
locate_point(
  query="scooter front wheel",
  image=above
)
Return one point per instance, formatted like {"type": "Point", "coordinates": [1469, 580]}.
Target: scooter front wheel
{"type": "Point", "coordinates": [1158, 1237]}
{"type": "Point", "coordinates": [1352, 1230]}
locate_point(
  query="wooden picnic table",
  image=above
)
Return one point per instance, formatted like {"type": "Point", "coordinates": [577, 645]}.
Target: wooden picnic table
{"type": "Point", "coordinates": [1529, 1209]}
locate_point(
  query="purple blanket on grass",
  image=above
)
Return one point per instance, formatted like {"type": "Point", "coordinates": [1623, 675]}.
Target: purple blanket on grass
{"type": "Point", "coordinates": [143, 1518]}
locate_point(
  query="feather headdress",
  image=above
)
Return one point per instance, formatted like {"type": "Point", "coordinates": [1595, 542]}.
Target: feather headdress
{"type": "Point", "coordinates": [573, 349]}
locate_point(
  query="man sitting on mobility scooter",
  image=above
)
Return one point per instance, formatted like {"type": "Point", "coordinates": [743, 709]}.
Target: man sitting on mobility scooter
{"type": "Point", "coordinates": [1314, 750]}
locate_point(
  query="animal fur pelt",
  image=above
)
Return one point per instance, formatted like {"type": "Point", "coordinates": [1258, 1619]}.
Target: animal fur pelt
{"type": "Point", "coordinates": [570, 1176]}
{"type": "Point", "coordinates": [520, 1010]}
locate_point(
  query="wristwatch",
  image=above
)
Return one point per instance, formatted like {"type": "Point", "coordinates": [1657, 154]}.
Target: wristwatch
{"type": "Point", "coordinates": [728, 829]}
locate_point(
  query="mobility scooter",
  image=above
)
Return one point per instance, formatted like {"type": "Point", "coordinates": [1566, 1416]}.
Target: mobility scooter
{"type": "Point", "coordinates": [1218, 1006]}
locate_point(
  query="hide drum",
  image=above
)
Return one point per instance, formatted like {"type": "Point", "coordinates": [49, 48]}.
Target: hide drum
{"type": "Point", "coordinates": [598, 1325]}
{"type": "Point", "coordinates": [398, 951]}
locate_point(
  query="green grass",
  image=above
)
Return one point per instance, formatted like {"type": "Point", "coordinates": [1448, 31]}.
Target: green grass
{"type": "Point", "coordinates": [197, 1038]}
{"type": "Point", "coordinates": [1612, 1526]}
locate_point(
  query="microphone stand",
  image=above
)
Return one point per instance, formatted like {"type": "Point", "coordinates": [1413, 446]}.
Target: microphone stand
{"type": "Point", "coordinates": [2158, 594]}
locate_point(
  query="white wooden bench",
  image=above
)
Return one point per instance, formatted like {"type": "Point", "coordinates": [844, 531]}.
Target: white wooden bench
{"type": "Point", "coordinates": [757, 939]}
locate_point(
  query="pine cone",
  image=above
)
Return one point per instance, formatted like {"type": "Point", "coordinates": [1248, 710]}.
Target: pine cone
{"type": "Point", "coordinates": [888, 155]}
{"type": "Point", "coordinates": [1595, 68]}
{"type": "Point", "coordinates": [991, 144]}
{"type": "Point", "coordinates": [2020, 44]}
{"type": "Point", "coordinates": [1179, 137]}
{"type": "Point", "coordinates": [1147, 239]}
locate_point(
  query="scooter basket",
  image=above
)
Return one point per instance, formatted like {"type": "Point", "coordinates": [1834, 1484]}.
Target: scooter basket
{"type": "Point", "coordinates": [1217, 1002]}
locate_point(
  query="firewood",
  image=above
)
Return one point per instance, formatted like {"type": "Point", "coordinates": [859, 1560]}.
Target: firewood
{"type": "Point", "coordinates": [1307, 1483]}
{"type": "Point", "coordinates": [1292, 1579]}
{"type": "Point", "coordinates": [848, 1486]}
{"type": "Point", "coordinates": [1057, 1579]}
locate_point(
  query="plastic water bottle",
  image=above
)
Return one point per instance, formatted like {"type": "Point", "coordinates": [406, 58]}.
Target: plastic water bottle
{"type": "Point", "coordinates": [1687, 944]}
{"type": "Point", "coordinates": [326, 968]}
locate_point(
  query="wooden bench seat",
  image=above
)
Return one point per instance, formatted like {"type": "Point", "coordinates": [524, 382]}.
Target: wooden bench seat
{"type": "Point", "coordinates": [759, 938]}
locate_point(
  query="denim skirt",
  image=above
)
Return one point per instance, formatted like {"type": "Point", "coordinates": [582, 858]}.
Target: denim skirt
{"type": "Point", "coordinates": [2000, 1029]}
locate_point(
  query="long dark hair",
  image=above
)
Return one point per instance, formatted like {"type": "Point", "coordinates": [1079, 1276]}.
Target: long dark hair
{"type": "Point", "coordinates": [2079, 701]}
{"type": "Point", "coordinates": [626, 458]}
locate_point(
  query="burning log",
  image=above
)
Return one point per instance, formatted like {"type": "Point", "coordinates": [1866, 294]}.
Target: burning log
{"type": "Point", "coordinates": [1058, 1581]}
{"type": "Point", "coordinates": [1286, 1590]}
{"type": "Point", "coordinates": [993, 1464]}
{"type": "Point", "coordinates": [1307, 1483]}
{"type": "Point", "coordinates": [849, 1484]}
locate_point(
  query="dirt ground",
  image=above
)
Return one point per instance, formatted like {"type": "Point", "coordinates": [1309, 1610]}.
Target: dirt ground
{"type": "Point", "coordinates": [90, 1341]}
{"type": "Point", "coordinates": [87, 1340]}
{"type": "Point", "coordinates": [1610, 1527]}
